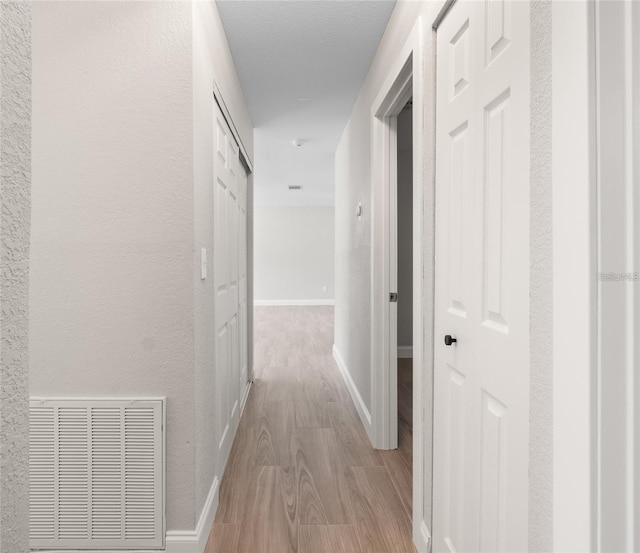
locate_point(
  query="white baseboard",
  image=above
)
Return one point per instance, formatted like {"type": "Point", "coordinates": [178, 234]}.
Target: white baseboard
{"type": "Point", "coordinates": [405, 352]}
{"type": "Point", "coordinates": [293, 302]}
{"type": "Point", "coordinates": [365, 415]}
{"type": "Point", "coordinates": [195, 541]}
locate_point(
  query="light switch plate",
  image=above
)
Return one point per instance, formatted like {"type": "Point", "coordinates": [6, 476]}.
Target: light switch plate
{"type": "Point", "coordinates": [203, 263]}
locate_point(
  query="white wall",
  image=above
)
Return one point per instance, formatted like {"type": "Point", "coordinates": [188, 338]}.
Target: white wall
{"type": "Point", "coordinates": [111, 260]}
{"type": "Point", "coordinates": [122, 170]}
{"type": "Point", "coordinates": [353, 243]}
{"type": "Point", "coordinates": [15, 163]}
{"type": "Point", "coordinates": [294, 254]}
{"type": "Point", "coordinates": [405, 230]}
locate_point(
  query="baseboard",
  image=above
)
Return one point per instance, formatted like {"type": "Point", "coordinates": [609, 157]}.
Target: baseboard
{"type": "Point", "coordinates": [405, 352]}
{"type": "Point", "coordinates": [293, 302]}
{"type": "Point", "coordinates": [243, 399]}
{"type": "Point", "coordinates": [195, 541]}
{"type": "Point", "coordinates": [363, 412]}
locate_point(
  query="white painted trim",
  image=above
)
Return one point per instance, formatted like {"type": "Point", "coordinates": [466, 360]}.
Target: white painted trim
{"type": "Point", "coordinates": [363, 412]}
{"type": "Point", "coordinates": [390, 101]}
{"type": "Point", "coordinates": [293, 302]}
{"type": "Point", "coordinates": [574, 278]}
{"type": "Point", "coordinates": [405, 352]}
{"type": "Point", "coordinates": [425, 535]}
{"type": "Point", "coordinates": [232, 127]}
{"type": "Point", "coordinates": [195, 541]}
{"type": "Point", "coordinates": [409, 64]}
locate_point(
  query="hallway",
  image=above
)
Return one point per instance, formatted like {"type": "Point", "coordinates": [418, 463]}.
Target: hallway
{"type": "Point", "coordinates": [302, 476]}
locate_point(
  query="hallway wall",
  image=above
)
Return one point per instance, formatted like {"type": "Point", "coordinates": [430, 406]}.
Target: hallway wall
{"type": "Point", "coordinates": [121, 178]}
{"type": "Point", "coordinates": [294, 254]}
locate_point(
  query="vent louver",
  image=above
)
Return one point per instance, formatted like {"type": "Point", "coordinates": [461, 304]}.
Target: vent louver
{"type": "Point", "coordinates": [96, 473]}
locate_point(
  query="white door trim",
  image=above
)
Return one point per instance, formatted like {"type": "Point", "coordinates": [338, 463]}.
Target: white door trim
{"type": "Point", "coordinates": [405, 81]}
{"type": "Point", "coordinates": [574, 278]}
{"type": "Point", "coordinates": [618, 210]}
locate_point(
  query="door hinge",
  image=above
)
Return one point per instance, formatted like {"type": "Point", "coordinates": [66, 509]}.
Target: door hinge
{"type": "Point", "coordinates": [393, 297]}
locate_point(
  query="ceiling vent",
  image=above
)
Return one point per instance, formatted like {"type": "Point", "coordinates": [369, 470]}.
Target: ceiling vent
{"type": "Point", "coordinates": [295, 187]}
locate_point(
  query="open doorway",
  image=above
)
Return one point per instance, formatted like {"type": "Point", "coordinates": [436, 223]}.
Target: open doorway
{"type": "Point", "coordinates": [412, 392]}
{"type": "Point", "coordinates": [404, 279]}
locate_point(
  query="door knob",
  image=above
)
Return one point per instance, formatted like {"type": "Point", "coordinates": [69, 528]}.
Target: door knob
{"type": "Point", "coordinates": [448, 340]}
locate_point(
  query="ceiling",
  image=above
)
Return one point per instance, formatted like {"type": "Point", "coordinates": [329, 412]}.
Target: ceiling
{"type": "Point", "coordinates": [301, 64]}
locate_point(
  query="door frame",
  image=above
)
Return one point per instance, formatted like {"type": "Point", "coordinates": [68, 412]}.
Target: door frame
{"type": "Point", "coordinates": [385, 257]}
{"type": "Point", "coordinates": [574, 277]}
{"type": "Point", "coordinates": [405, 80]}
{"type": "Point", "coordinates": [617, 300]}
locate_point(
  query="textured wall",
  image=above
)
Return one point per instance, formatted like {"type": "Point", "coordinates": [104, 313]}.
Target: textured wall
{"type": "Point", "coordinates": [294, 253]}
{"type": "Point", "coordinates": [15, 182]}
{"type": "Point", "coordinates": [541, 283]}
{"type": "Point", "coordinates": [111, 307]}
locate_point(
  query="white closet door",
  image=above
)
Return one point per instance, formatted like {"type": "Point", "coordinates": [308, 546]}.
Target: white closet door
{"type": "Point", "coordinates": [481, 418]}
{"type": "Point", "coordinates": [242, 291]}
{"type": "Point", "coordinates": [227, 177]}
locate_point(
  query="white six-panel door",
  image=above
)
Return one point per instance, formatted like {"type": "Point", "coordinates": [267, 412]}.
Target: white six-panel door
{"type": "Point", "coordinates": [481, 417]}
{"type": "Point", "coordinates": [230, 274]}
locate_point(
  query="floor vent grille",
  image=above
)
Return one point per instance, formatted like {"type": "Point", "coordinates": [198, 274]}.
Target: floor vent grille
{"type": "Point", "coordinates": [96, 470]}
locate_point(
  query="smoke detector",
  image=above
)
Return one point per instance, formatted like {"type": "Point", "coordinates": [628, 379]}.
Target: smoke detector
{"type": "Point", "coordinates": [297, 142]}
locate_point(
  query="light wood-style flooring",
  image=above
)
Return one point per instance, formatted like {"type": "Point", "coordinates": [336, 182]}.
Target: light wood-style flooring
{"type": "Point", "coordinates": [302, 476]}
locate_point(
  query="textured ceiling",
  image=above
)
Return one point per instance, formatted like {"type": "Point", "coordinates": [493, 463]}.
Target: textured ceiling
{"type": "Point", "coordinates": [301, 64]}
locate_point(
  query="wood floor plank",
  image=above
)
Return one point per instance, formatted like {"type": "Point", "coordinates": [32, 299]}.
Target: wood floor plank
{"type": "Point", "coordinates": [223, 538]}
{"type": "Point", "coordinates": [321, 475]}
{"type": "Point", "coordinates": [266, 526]}
{"type": "Point", "coordinates": [355, 446]}
{"type": "Point", "coordinates": [400, 473]}
{"type": "Point", "coordinates": [405, 442]}
{"type": "Point", "coordinates": [275, 434]}
{"type": "Point", "coordinates": [318, 538]}
{"type": "Point", "coordinates": [312, 409]}
{"type": "Point", "coordinates": [333, 384]}
{"type": "Point", "coordinates": [235, 484]}
{"type": "Point", "coordinates": [382, 521]}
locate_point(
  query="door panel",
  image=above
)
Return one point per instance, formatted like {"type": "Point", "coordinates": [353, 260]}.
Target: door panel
{"type": "Point", "coordinates": [229, 257]}
{"type": "Point", "coordinates": [242, 276]}
{"type": "Point", "coordinates": [481, 421]}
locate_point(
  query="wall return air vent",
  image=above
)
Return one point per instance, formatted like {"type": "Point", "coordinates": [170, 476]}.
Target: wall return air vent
{"type": "Point", "coordinates": [295, 187]}
{"type": "Point", "coordinates": [96, 471]}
